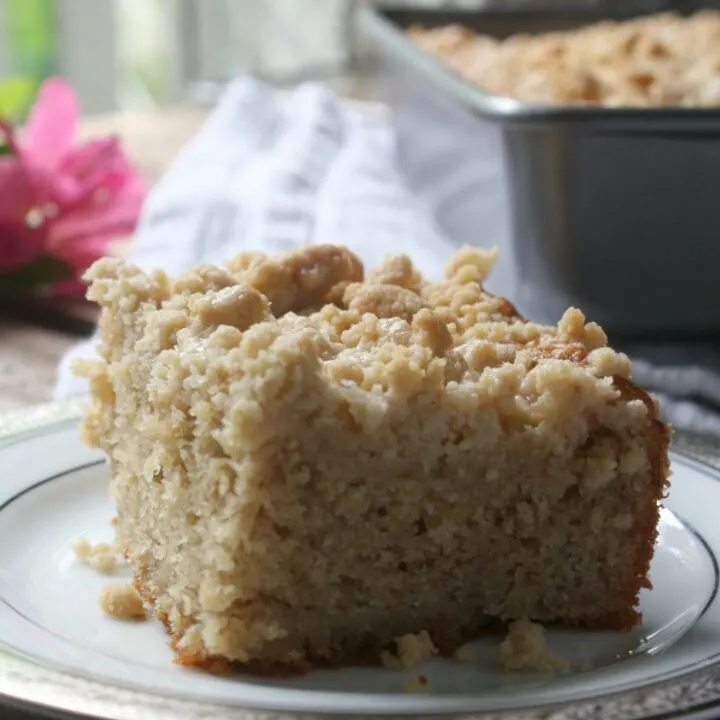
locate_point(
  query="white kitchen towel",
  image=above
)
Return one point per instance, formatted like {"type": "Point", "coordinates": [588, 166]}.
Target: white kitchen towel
{"type": "Point", "coordinates": [273, 172]}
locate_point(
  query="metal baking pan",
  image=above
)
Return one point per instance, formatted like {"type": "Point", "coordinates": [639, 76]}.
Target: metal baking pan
{"type": "Point", "coordinates": [615, 211]}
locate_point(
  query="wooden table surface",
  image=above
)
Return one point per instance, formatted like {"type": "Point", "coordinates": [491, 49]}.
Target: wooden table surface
{"type": "Point", "coordinates": [29, 352]}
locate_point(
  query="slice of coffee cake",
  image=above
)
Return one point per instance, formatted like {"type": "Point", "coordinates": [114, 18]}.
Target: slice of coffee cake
{"type": "Point", "coordinates": [307, 465]}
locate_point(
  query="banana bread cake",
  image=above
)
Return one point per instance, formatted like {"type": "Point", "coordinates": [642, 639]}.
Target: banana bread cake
{"type": "Point", "coordinates": [308, 464]}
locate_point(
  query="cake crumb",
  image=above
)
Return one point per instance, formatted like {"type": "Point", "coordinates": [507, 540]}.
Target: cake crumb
{"type": "Point", "coordinates": [417, 684]}
{"type": "Point", "coordinates": [105, 563]}
{"type": "Point", "coordinates": [122, 602]}
{"type": "Point", "coordinates": [524, 648]}
{"type": "Point", "coordinates": [466, 654]}
{"type": "Point", "coordinates": [412, 650]}
{"type": "Point", "coordinates": [82, 549]}
{"type": "Point", "coordinates": [101, 557]}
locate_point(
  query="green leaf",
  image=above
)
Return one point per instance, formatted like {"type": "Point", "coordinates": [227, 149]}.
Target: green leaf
{"type": "Point", "coordinates": [31, 35]}
{"type": "Point", "coordinates": [16, 96]}
{"type": "Point", "coordinates": [5, 150]}
{"type": "Point", "coordinates": [40, 272]}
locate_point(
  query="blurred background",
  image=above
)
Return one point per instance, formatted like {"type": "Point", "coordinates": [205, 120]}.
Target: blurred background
{"type": "Point", "coordinates": [141, 54]}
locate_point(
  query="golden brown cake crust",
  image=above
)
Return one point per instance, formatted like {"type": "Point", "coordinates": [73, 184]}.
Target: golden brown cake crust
{"type": "Point", "coordinates": [367, 654]}
{"type": "Point", "coordinates": [416, 453]}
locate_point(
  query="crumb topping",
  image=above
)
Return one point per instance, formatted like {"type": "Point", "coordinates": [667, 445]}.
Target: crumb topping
{"type": "Point", "coordinates": [299, 280]}
{"type": "Point", "coordinates": [658, 60]}
{"type": "Point", "coordinates": [396, 270]}
{"type": "Point", "coordinates": [394, 333]}
{"type": "Point", "coordinates": [382, 300]}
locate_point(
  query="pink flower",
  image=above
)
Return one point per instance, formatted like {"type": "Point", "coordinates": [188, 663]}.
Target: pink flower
{"type": "Point", "coordinates": [62, 200]}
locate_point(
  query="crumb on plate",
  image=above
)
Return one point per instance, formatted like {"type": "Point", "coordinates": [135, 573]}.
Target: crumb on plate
{"type": "Point", "coordinates": [122, 602]}
{"type": "Point", "coordinates": [525, 648]}
{"type": "Point", "coordinates": [417, 684]}
{"type": "Point", "coordinates": [412, 650]}
{"type": "Point", "coordinates": [101, 557]}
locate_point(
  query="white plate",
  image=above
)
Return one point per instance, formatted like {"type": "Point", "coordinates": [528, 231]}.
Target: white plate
{"type": "Point", "coordinates": [56, 644]}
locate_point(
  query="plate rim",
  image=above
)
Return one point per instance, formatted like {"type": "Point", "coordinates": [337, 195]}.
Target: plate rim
{"type": "Point", "coordinates": [29, 685]}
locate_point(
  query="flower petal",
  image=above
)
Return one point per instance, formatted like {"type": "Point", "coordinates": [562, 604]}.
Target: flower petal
{"type": "Point", "coordinates": [52, 124]}
{"type": "Point", "coordinates": [82, 159]}
{"type": "Point", "coordinates": [84, 231]}
{"type": "Point", "coordinates": [83, 251]}
{"type": "Point", "coordinates": [16, 191]}
{"type": "Point", "coordinates": [85, 169]}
